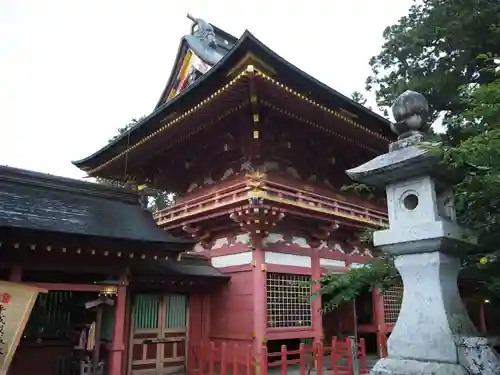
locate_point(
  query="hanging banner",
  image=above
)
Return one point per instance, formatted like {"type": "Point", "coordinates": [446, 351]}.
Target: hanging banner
{"type": "Point", "coordinates": [191, 69]}
{"type": "Point", "coordinates": [16, 303]}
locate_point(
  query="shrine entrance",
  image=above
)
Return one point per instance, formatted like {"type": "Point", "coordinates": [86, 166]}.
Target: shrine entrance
{"type": "Point", "coordinates": [158, 337]}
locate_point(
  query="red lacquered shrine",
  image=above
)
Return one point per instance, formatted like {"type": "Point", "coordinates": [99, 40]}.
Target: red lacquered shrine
{"type": "Point", "coordinates": [255, 151]}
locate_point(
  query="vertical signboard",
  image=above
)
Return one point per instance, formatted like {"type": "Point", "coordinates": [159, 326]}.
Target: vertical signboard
{"type": "Point", "coordinates": [16, 303]}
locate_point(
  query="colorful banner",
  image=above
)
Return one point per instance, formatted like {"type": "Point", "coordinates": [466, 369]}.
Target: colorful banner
{"type": "Point", "coordinates": [191, 69]}
{"type": "Point", "coordinates": [16, 303]}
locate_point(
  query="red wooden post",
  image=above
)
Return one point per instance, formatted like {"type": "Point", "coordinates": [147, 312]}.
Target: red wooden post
{"type": "Point", "coordinates": [259, 292]}
{"type": "Point", "coordinates": [319, 353]}
{"type": "Point", "coordinates": [248, 360]}
{"type": "Point", "coordinates": [362, 348]}
{"type": "Point", "coordinates": [333, 355]}
{"type": "Point", "coordinates": [302, 358]}
{"type": "Point", "coordinates": [211, 358]}
{"type": "Point", "coordinates": [117, 350]}
{"type": "Point", "coordinates": [379, 320]}
{"type": "Point", "coordinates": [263, 360]}
{"type": "Point", "coordinates": [284, 360]}
{"type": "Point", "coordinates": [317, 318]}
{"type": "Point", "coordinates": [189, 366]}
{"type": "Point", "coordinates": [200, 358]}
{"type": "Point", "coordinates": [235, 359]}
{"type": "Point", "coordinates": [350, 367]}
{"type": "Point", "coordinates": [223, 364]}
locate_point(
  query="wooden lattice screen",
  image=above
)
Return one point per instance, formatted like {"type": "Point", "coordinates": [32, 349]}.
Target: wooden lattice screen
{"type": "Point", "coordinates": [288, 300]}
{"type": "Point", "coordinates": [393, 297]}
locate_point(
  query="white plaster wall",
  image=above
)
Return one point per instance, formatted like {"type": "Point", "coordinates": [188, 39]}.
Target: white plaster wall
{"type": "Point", "coordinates": [229, 260]}
{"type": "Point", "coordinates": [331, 262]}
{"type": "Point", "coordinates": [282, 259]}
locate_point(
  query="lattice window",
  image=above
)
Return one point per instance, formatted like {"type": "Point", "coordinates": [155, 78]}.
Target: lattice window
{"type": "Point", "coordinates": [393, 297]}
{"type": "Point", "coordinates": [288, 301]}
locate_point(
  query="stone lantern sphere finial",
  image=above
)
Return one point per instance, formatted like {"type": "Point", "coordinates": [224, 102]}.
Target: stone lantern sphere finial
{"type": "Point", "coordinates": [411, 111]}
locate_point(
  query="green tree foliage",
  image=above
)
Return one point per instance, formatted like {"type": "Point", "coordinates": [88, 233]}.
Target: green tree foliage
{"type": "Point", "coordinates": [157, 200]}
{"type": "Point", "coordinates": [126, 128]}
{"type": "Point", "coordinates": [434, 50]}
{"type": "Point", "coordinates": [444, 49]}
{"type": "Point", "coordinates": [358, 97]}
{"type": "Point", "coordinates": [337, 288]}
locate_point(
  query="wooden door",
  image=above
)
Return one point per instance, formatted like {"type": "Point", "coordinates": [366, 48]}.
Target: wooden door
{"type": "Point", "coordinates": [159, 332]}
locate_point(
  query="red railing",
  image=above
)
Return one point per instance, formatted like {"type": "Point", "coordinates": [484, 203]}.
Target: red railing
{"type": "Point", "coordinates": [225, 359]}
{"type": "Point", "coordinates": [239, 191]}
{"type": "Point", "coordinates": [325, 203]}
{"type": "Point", "coordinates": [210, 359]}
{"type": "Point", "coordinates": [225, 196]}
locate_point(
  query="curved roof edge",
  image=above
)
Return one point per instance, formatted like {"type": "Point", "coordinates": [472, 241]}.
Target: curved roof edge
{"type": "Point", "coordinates": [245, 41]}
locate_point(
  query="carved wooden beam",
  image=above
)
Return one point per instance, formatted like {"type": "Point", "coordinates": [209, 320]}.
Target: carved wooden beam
{"type": "Point", "coordinates": [257, 217]}
{"type": "Point", "coordinates": [200, 234]}
{"type": "Point", "coordinates": [322, 233]}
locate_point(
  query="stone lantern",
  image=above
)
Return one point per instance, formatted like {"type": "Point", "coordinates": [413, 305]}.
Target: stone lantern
{"type": "Point", "coordinates": [433, 334]}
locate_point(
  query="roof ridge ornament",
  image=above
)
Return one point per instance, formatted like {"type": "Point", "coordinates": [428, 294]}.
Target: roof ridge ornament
{"type": "Point", "coordinates": [202, 40]}
{"type": "Point", "coordinates": [411, 112]}
{"type": "Point", "coordinates": [203, 30]}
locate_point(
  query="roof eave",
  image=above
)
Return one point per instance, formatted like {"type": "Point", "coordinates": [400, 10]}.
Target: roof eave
{"type": "Point", "coordinates": [246, 40]}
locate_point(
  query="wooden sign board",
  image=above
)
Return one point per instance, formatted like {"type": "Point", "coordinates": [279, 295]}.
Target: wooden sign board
{"type": "Point", "coordinates": [16, 303]}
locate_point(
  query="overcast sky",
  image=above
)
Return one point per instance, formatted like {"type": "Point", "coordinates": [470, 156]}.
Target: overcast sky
{"type": "Point", "coordinates": [73, 71]}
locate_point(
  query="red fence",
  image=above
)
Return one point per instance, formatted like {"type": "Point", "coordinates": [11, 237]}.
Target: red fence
{"type": "Point", "coordinates": [210, 359]}
{"type": "Point", "coordinates": [234, 359]}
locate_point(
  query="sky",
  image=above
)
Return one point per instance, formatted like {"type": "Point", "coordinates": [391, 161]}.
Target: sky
{"type": "Point", "coordinates": [73, 71]}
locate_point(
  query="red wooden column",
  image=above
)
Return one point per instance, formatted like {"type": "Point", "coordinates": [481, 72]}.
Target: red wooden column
{"type": "Point", "coordinates": [317, 318]}
{"type": "Point", "coordinates": [379, 321]}
{"type": "Point", "coordinates": [117, 349]}
{"type": "Point", "coordinates": [206, 306]}
{"type": "Point", "coordinates": [259, 277]}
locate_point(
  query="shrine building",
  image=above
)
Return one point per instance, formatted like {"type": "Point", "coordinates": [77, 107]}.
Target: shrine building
{"type": "Point", "coordinates": [255, 151]}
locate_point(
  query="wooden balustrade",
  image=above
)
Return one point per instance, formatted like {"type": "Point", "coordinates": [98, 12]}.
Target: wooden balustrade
{"type": "Point", "coordinates": [240, 191]}
{"type": "Point", "coordinates": [231, 194]}
{"type": "Point", "coordinates": [323, 203]}
{"type": "Point", "coordinates": [334, 358]}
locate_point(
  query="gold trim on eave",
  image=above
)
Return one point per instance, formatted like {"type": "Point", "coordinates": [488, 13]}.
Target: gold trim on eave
{"type": "Point", "coordinates": [248, 70]}
{"type": "Point", "coordinates": [174, 121]}
{"type": "Point", "coordinates": [289, 114]}
{"type": "Point", "coordinates": [320, 106]}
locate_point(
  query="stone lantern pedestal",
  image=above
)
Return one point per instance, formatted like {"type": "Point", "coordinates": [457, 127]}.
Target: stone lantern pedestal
{"type": "Point", "coordinates": [433, 334]}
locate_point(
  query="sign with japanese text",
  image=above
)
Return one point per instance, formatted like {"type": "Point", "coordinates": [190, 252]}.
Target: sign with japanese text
{"type": "Point", "coordinates": [16, 303]}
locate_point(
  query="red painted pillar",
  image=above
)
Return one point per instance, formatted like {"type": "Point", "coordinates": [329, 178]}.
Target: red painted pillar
{"type": "Point", "coordinates": [206, 318]}
{"type": "Point", "coordinates": [379, 321]}
{"type": "Point", "coordinates": [317, 317]}
{"type": "Point", "coordinates": [117, 349]}
{"type": "Point", "coordinates": [259, 276]}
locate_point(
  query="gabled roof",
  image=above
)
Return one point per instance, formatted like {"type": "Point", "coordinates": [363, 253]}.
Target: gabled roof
{"type": "Point", "coordinates": [41, 202]}
{"type": "Point", "coordinates": [225, 42]}
{"type": "Point", "coordinates": [203, 87]}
